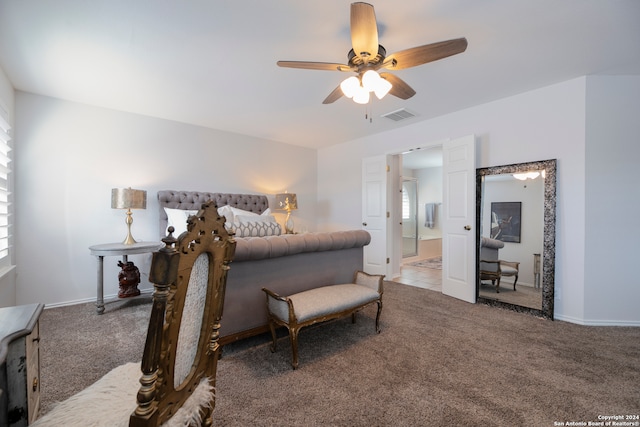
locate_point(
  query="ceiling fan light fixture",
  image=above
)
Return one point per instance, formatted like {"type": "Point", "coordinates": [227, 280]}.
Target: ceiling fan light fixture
{"type": "Point", "coordinates": [382, 88]}
{"type": "Point", "coordinates": [370, 80]}
{"type": "Point", "coordinates": [350, 86]}
{"type": "Point", "coordinates": [361, 96]}
{"type": "Point", "coordinates": [366, 56]}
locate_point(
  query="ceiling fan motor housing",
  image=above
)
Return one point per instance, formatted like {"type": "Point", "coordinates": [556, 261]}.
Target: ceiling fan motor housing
{"type": "Point", "coordinates": [356, 61]}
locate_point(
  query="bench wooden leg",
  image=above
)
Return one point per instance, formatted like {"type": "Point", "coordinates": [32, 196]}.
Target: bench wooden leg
{"type": "Point", "coordinates": [293, 335]}
{"type": "Point", "coordinates": [272, 327]}
{"type": "Point", "coordinates": [378, 315]}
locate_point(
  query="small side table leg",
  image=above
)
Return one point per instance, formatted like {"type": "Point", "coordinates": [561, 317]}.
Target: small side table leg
{"type": "Point", "coordinates": [100, 299]}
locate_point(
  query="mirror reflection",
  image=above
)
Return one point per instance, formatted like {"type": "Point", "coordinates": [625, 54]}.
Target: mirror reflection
{"type": "Point", "coordinates": [516, 235]}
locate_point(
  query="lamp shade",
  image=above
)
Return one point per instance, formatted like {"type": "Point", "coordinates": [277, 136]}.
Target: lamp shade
{"type": "Point", "coordinates": [286, 201]}
{"type": "Point", "coordinates": [382, 88]}
{"type": "Point", "coordinates": [349, 86]}
{"type": "Point", "coordinates": [128, 198]}
{"type": "Point", "coordinates": [370, 80]}
{"type": "Point", "coordinates": [361, 96]}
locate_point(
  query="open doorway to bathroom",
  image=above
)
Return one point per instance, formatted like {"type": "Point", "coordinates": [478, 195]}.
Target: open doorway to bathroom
{"type": "Point", "coordinates": [409, 217]}
{"type": "Point", "coordinates": [421, 263]}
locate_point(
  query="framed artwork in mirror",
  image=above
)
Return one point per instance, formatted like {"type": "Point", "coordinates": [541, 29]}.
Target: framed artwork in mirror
{"type": "Point", "coordinates": [505, 221]}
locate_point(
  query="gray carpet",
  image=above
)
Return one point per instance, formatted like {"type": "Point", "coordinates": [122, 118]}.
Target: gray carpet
{"type": "Point", "coordinates": [437, 362]}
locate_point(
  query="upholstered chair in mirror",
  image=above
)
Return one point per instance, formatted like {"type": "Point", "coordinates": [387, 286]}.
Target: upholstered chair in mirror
{"type": "Point", "coordinates": [174, 383]}
{"type": "Point", "coordinates": [492, 267]}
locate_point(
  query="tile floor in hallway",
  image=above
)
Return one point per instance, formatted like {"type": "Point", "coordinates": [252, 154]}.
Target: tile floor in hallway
{"type": "Point", "coordinates": [427, 278]}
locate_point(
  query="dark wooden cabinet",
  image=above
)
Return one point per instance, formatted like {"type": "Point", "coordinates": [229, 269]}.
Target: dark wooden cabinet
{"type": "Point", "coordinates": [19, 364]}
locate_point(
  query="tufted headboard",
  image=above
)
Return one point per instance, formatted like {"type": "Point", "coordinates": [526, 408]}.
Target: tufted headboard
{"type": "Point", "coordinates": [194, 199]}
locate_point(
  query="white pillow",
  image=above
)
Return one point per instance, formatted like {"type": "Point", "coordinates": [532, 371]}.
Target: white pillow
{"type": "Point", "coordinates": [178, 219]}
{"type": "Point", "coordinates": [237, 211]}
{"type": "Point", "coordinates": [247, 219]}
{"type": "Point", "coordinates": [227, 212]}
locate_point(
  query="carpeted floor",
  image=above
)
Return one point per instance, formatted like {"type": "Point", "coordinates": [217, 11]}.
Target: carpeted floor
{"type": "Point", "coordinates": [438, 361]}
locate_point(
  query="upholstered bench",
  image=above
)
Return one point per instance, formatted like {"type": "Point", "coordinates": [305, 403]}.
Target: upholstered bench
{"type": "Point", "coordinates": [321, 304]}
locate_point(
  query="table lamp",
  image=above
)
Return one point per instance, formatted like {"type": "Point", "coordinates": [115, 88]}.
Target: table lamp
{"type": "Point", "coordinates": [287, 202]}
{"type": "Point", "coordinates": [128, 198]}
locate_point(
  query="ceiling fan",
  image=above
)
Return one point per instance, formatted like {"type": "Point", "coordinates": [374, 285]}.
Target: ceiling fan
{"type": "Point", "coordinates": [367, 56]}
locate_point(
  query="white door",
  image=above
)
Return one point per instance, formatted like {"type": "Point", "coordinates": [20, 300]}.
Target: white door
{"type": "Point", "coordinates": [374, 213]}
{"type": "Point", "coordinates": [458, 227]}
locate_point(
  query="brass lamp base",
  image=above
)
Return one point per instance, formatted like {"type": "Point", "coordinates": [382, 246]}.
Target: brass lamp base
{"type": "Point", "coordinates": [129, 240]}
{"type": "Point", "coordinates": [288, 224]}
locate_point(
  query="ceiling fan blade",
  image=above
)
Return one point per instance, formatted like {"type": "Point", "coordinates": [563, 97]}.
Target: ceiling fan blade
{"type": "Point", "coordinates": [325, 66]}
{"type": "Point", "coordinates": [333, 96]}
{"type": "Point", "coordinates": [399, 88]}
{"type": "Point", "coordinates": [364, 31]}
{"type": "Point", "coordinates": [423, 54]}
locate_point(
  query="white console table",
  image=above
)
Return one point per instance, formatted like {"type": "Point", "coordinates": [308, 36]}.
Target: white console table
{"type": "Point", "coordinates": [117, 249]}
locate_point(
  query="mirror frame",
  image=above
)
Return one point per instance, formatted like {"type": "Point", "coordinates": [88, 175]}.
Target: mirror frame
{"type": "Point", "coordinates": [549, 230]}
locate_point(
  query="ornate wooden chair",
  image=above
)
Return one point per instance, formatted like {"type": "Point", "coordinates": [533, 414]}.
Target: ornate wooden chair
{"type": "Point", "coordinates": [174, 384]}
{"type": "Point", "coordinates": [491, 267]}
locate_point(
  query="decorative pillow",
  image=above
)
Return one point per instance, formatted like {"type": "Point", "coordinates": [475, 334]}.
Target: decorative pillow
{"type": "Point", "coordinates": [227, 212]}
{"type": "Point", "coordinates": [258, 229]}
{"type": "Point", "coordinates": [237, 211]}
{"type": "Point", "coordinates": [178, 219]}
{"type": "Point", "coordinates": [246, 219]}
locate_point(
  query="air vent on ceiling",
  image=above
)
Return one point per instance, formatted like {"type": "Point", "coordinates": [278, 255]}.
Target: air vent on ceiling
{"type": "Point", "coordinates": [401, 114]}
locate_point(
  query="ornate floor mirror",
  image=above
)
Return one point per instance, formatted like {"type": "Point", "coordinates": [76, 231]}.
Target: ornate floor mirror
{"type": "Point", "coordinates": [515, 217]}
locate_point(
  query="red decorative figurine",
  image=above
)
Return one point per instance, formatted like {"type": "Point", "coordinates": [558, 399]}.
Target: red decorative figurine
{"type": "Point", "coordinates": [129, 278]}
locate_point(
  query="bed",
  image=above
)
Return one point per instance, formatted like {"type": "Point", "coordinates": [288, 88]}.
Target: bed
{"type": "Point", "coordinates": [284, 263]}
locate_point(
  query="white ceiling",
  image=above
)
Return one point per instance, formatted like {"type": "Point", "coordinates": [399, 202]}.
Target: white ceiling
{"type": "Point", "coordinates": [213, 63]}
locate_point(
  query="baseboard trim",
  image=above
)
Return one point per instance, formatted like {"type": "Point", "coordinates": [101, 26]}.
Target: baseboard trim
{"type": "Point", "coordinates": [599, 322]}
{"type": "Point", "coordinates": [107, 298]}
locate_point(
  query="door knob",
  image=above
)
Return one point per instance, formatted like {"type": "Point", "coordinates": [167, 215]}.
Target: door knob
{"type": "Point", "coordinates": [467, 227]}
{"type": "Point", "coordinates": [364, 223]}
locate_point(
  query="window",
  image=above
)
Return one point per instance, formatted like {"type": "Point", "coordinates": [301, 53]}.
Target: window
{"type": "Point", "coordinates": [5, 190]}
{"type": "Point", "coordinates": [406, 203]}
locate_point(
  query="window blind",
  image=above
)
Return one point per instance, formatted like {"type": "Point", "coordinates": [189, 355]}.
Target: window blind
{"type": "Point", "coordinates": [406, 203]}
{"type": "Point", "coordinates": [5, 188]}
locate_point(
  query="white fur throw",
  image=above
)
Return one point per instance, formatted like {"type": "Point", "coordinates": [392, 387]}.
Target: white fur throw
{"type": "Point", "coordinates": [111, 400]}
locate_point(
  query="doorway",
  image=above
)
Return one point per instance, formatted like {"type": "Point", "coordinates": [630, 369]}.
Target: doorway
{"type": "Point", "coordinates": [409, 217]}
{"type": "Point", "coordinates": [381, 214]}
{"type": "Point", "coordinates": [422, 177]}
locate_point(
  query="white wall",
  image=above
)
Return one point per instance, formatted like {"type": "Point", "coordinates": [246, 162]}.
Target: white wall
{"type": "Point", "coordinates": [542, 124]}
{"type": "Point", "coordinates": [69, 156]}
{"type": "Point", "coordinates": [7, 276]}
{"type": "Point", "coordinates": [612, 282]}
